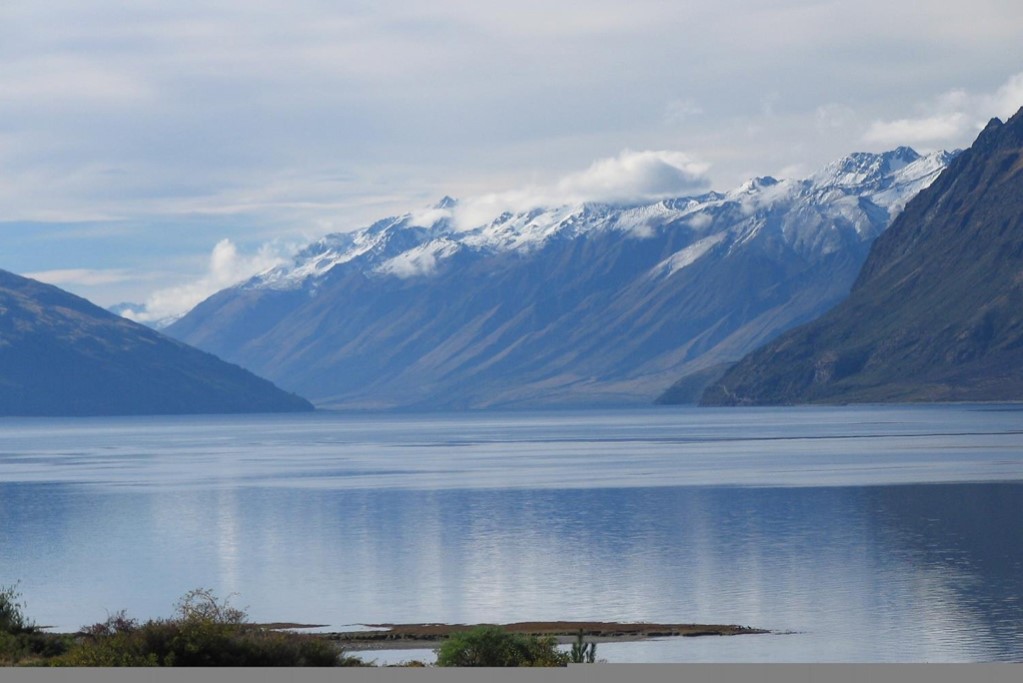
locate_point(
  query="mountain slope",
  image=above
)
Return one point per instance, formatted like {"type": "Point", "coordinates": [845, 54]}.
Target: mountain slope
{"type": "Point", "coordinates": [572, 305]}
{"type": "Point", "coordinates": [936, 313]}
{"type": "Point", "coordinates": [61, 355]}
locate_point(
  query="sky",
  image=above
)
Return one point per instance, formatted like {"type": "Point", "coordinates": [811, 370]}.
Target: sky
{"type": "Point", "coordinates": [155, 151]}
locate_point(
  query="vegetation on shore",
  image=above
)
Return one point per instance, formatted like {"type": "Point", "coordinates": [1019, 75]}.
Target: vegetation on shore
{"type": "Point", "coordinates": [493, 646]}
{"type": "Point", "coordinates": [21, 641]}
{"type": "Point", "coordinates": [396, 636]}
{"type": "Point", "coordinates": [208, 632]}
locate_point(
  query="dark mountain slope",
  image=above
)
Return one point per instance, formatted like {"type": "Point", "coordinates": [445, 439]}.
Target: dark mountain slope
{"type": "Point", "coordinates": [936, 313]}
{"type": "Point", "coordinates": [61, 355]}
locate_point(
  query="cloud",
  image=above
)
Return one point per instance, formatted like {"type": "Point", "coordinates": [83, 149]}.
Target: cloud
{"type": "Point", "coordinates": [678, 111]}
{"type": "Point", "coordinates": [927, 130]}
{"type": "Point", "coordinates": [65, 80]}
{"type": "Point", "coordinates": [636, 176]}
{"type": "Point", "coordinates": [627, 178]}
{"type": "Point", "coordinates": [307, 116]}
{"type": "Point", "coordinates": [834, 116]}
{"type": "Point", "coordinates": [81, 276]}
{"type": "Point", "coordinates": [226, 267]}
{"type": "Point", "coordinates": [951, 118]}
{"type": "Point", "coordinates": [1008, 99]}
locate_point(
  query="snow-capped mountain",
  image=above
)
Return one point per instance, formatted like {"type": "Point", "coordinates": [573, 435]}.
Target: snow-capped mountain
{"type": "Point", "coordinates": [568, 305]}
{"type": "Point", "coordinates": [416, 243]}
{"type": "Point", "coordinates": [936, 313]}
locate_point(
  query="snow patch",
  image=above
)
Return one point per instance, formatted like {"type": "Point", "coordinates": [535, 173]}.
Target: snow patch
{"type": "Point", "coordinates": [686, 257]}
{"type": "Point", "coordinates": [421, 260]}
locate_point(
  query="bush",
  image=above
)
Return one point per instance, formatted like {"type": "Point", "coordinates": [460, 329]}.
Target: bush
{"type": "Point", "coordinates": [202, 605]}
{"type": "Point", "coordinates": [12, 615]}
{"type": "Point", "coordinates": [583, 652]}
{"type": "Point", "coordinates": [492, 646]}
{"type": "Point", "coordinates": [21, 641]}
{"type": "Point", "coordinates": [206, 632]}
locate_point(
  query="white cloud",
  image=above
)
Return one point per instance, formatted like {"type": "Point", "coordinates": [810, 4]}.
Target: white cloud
{"type": "Point", "coordinates": [226, 267]}
{"type": "Point", "coordinates": [626, 178]}
{"type": "Point", "coordinates": [700, 221]}
{"type": "Point", "coordinates": [1008, 99]}
{"type": "Point", "coordinates": [427, 217]}
{"type": "Point", "coordinates": [68, 80]}
{"type": "Point", "coordinates": [81, 276]}
{"type": "Point", "coordinates": [633, 176]}
{"type": "Point", "coordinates": [834, 116]}
{"type": "Point", "coordinates": [678, 111]}
{"type": "Point", "coordinates": [308, 116]}
{"type": "Point", "coordinates": [926, 130]}
{"type": "Point", "coordinates": [952, 118]}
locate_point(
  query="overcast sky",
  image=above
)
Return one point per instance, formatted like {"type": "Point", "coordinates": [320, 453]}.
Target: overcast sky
{"type": "Point", "coordinates": [155, 150]}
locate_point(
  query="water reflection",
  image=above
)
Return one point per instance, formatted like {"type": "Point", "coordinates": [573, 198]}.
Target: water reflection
{"type": "Point", "coordinates": [967, 537]}
{"type": "Point", "coordinates": [919, 573]}
{"type": "Point", "coordinates": [661, 516]}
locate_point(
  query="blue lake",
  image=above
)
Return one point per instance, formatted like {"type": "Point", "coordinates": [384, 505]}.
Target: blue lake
{"type": "Point", "coordinates": [856, 534]}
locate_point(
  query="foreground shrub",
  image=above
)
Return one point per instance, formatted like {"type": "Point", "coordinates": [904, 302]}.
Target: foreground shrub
{"type": "Point", "coordinates": [169, 643]}
{"type": "Point", "coordinates": [492, 646]}
{"type": "Point", "coordinates": [21, 641]}
{"type": "Point", "coordinates": [12, 612]}
{"type": "Point", "coordinates": [207, 632]}
{"type": "Point", "coordinates": [583, 652]}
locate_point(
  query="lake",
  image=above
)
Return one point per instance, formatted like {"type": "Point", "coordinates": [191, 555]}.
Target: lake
{"type": "Point", "coordinates": [866, 534]}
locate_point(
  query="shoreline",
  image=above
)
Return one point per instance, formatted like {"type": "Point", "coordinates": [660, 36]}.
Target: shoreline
{"type": "Point", "coordinates": [430, 636]}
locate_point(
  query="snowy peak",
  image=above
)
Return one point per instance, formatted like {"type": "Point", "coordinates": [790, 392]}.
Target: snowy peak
{"type": "Point", "coordinates": [863, 168]}
{"type": "Point", "coordinates": [386, 239]}
{"type": "Point", "coordinates": [446, 202]}
{"type": "Point", "coordinates": [876, 174]}
{"type": "Point", "coordinates": [851, 199]}
{"type": "Point", "coordinates": [756, 185]}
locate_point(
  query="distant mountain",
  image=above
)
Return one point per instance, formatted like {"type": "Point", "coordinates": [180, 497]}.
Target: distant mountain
{"type": "Point", "coordinates": [936, 313]}
{"type": "Point", "coordinates": [61, 355]}
{"type": "Point", "coordinates": [566, 306]}
{"type": "Point", "coordinates": [127, 309]}
{"type": "Point", "coordinates": [137, 313]}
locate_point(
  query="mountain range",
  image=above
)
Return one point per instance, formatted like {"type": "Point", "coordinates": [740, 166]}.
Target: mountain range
{"type": "Point", "coordinates": [61, 355]}
{"type": "Point", "coordinates": [936, 314]}
{"type": "Point", "coordinates": [576, 305]}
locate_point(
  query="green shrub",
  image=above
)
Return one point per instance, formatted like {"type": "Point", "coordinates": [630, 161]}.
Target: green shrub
{"type": "Point", "coordinates": [207, 632]}
{"type": "Point", "coordinates": [12, 612]}
{"type": "Point", "coordinates": [583, 652]}
{"type": "Point", "coordinates": [493, 646]}
{"type": "Point", "coordinates": [21, 641]}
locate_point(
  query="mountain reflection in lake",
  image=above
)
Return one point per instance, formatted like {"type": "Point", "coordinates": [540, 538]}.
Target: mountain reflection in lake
{"type": "Point", "coordinates": [869, 534]}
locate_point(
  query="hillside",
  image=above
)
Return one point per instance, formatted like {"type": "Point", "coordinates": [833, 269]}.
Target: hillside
{"type": "Point", "coordinates": [936, 313]}
{"type": "Point", "coordinates": [61, 355]}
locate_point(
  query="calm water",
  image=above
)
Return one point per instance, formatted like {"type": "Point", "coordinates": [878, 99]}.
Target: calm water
{"type": "Point", "coordinates": [859, 534]}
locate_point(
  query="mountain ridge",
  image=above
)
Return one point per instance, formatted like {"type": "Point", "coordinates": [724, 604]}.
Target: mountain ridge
{"type": "Point", "coordinates": [587, 304]}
